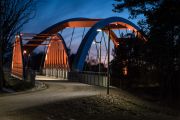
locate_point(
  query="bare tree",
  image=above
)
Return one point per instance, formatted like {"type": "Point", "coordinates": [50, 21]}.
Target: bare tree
{"type": "Point", "coordinates": [13, 15]}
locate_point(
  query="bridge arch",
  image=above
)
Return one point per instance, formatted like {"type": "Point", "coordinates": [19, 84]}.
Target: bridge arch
{"type": "Point", "coordinates": [70, 23]}
{"type": "Point", "coordinates": [91, 34]}
{"type": "Point", "coordinates": [93, 24]}
{"type": "Point", "coordinates": [107, 25]}
{"type": "Point", "coordinates": [54, 29]}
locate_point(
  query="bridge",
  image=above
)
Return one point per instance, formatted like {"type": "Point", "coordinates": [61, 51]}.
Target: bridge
{"type": "Point", "coordinates": [56, 60]}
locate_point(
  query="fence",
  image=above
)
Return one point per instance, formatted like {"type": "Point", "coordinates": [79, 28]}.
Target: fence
{"type": "Point", "coordinates": [91, 78]}
{"type": "Point", "coordinates": [58, 73]}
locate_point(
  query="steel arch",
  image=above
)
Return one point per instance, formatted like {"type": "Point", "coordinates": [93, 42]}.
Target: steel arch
{"type": "Point", "coordinates": [54, 29]}
{"type": "Point", "coordinates": [56, 53]}
{"type": "Point", "coordinates": [94, 24]}
{"type": "Point", "coordinates": [91, 34]}
{"type": "Point", "coordinates": [73, 22]}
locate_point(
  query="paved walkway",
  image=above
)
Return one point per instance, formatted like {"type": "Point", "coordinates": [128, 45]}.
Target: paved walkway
{"type": "Point", "coordinates": [57, 90]}
{"type": "Point", "coordinates": [46, 78]}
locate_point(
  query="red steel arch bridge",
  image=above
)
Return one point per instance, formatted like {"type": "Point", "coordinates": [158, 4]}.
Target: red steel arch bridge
{"type": "Point", "coordinates": [56, 61]}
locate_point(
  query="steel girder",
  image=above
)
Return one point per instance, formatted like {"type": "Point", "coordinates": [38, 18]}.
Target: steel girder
{"type": "Point", "coordinates": [56, 54]}
{"type": "Point", "coordinates": [18, 66]}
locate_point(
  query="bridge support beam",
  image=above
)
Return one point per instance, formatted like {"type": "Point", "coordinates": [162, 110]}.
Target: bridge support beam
{"type": "Point", "coordinates": [17, 68]}
{"type": "Point", "coordinates": [56, 60]}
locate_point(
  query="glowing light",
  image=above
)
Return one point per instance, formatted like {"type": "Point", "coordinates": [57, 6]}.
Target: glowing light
{"type": "Point", "coordinates": [125, 71]}
{"type": "Point", "coordinates": [46, 57]}
{"type": "Point", "coordinates": [12, 65]}
{"type": "Point", "coordinates": [94, 42]}
{"type": "Point", "coordinates": [98, 30]}
{"type": "Point", "coordinates": [24, 52]}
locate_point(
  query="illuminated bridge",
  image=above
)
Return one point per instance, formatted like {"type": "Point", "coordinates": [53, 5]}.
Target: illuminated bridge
{"type": "Point", "coordinates": [56, 59]}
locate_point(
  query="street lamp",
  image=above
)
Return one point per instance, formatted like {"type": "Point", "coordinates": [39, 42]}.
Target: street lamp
{"type": "Point", "coordinates": [99, 30]}
{"type": "Point", "coordinates": [108, 67]}
{"type": "Point", "coordinates": [24, 52]}
{"type": "Point", "coordinates": [99, 53]}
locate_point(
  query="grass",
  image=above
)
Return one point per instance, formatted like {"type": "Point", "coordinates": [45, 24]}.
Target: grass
{"type": "Point", "coordinates": [18, 85]}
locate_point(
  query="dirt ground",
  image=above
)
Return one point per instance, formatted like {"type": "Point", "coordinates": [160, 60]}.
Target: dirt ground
{"type": "Point", "coordinates": [98, 107]}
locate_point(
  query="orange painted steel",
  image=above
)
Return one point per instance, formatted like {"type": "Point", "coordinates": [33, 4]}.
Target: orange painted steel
{"type": "Point", "coordinates": [56, 55]}
{"type": "Point", "coordinates": [80, 23]}
{"type": "Point", "coordinates": [17, 59]}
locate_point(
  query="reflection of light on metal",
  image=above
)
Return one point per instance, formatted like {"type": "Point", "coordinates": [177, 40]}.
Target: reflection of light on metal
{"type": "Point", "coordinates": [12, 64]}
{"type": "Point", "coordinates": [46, 57]}
{"type": "Point", "coordinates": [24, 52]}
{"type": "Point", "coordinates": [98, 30]}
{"type": "Point", "coordinates": [125, 71]}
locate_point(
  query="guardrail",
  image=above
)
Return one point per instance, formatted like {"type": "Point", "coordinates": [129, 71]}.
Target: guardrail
{"type": "Point", "coordinates": [58, 73]}
{"type": "Point", "coordinates": [91, 78]}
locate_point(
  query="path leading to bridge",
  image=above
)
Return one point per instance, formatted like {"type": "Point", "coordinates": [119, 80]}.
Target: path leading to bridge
{"type": "Point", "coordinates": [56, 91]}
{"type": "Point", "coordinates": [69, 101]}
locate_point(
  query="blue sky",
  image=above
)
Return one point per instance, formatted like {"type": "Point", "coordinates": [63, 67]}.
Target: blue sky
{"type": "Point", "coordinates": [50, 12]}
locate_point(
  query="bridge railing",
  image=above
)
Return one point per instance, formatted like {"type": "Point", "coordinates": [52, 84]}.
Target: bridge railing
{"type": "Point", "coordinates": [91, 78]}
{"type": "Point", "coordinates": [53, 72]}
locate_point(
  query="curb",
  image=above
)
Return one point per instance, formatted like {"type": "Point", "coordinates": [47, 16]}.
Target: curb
{"type": "Point", "coordinates": [42, 85]}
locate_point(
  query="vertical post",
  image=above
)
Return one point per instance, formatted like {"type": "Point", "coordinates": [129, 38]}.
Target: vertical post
{"type": "Point", "coordinates": [24, 74]}
{"type": "Point", "coordinates": [63, 62]}
{"type": "Point", "coordinates": [1, 64]}
{"type": "Point", "coordinates": [108, 70]}
{"type": "Point", "coordinates": [99, 61]}
{"type": "Point", "coordinates": [52, 56]}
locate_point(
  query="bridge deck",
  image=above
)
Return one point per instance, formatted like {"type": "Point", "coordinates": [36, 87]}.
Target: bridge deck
{"type": "Point", "coordinates": [47, 78]}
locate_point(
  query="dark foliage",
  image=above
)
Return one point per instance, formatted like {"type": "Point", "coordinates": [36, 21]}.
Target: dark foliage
{"type": "Point", "coordinates": [128, 63]}
{"type": "Point", "coordinates": [162, 24]}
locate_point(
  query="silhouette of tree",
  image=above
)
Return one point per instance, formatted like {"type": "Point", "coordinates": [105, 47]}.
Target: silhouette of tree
{"type": "Point", "coordinates": [13, 15]}
{"type": "Point", "coordinates": [128, 62]}
{"type": "Point", "coordinates": [162, 25]}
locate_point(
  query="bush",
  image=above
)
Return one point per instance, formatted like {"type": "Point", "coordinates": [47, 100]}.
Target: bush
{"type": "Point", "coordinates": [18, 85]}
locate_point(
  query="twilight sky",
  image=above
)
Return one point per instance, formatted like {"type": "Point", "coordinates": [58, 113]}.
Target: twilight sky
{"type": "Point", "coordinates": [50, 12]}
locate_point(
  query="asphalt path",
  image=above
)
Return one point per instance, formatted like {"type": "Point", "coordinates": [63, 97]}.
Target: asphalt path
{"type": "Point", "coordinates": [56, 91]}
